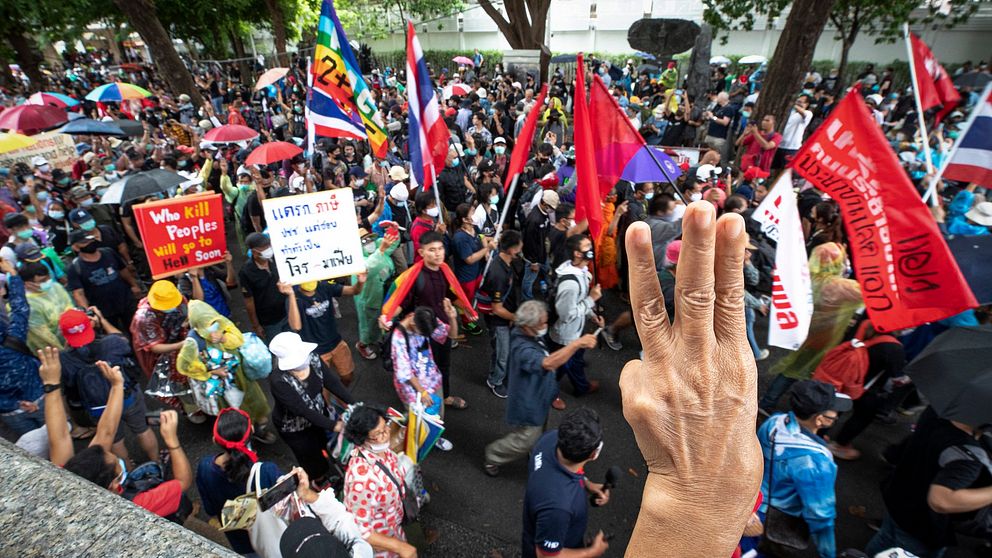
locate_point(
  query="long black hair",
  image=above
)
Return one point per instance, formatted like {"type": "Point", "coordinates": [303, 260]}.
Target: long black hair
{"type": "Point", "coordinates": [232, 427]}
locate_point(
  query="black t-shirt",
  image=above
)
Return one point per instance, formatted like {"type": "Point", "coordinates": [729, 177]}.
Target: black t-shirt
{"type": "Point", "coordinates": [254, 209]}
{"type": "Point", "coordinates": [317, 315]}
{"type": "Point", "coordinates": [453, 191]}
{"type": "Point", "coordinates": [535, 232]}
{"type": "Point", "coordinates": [929, 458]}
{"type": "Point", "coordinates": [430, 288]}
{"type": "Point", "coordinates": [500, 286]}
{"type": "Point", "coordinates": [556, 239]}
{"type": "Point", "coordinates": [108, 238]}
{"type": "Point", "coordinates": [260, 286]}
{"type": "Point", "coordinates": [717, 130]}
{"type": "Point", "coordinates": [101, 282]}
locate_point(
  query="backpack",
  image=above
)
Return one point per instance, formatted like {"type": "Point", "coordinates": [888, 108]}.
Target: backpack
{"type": "Point", "coordinates": [552, 297]}
{"type": "Point", "coordinates": [523, 202]}
{"type": "Point", "coordinates": [846, 365]}
{"type": "Point", "coordinates": [387, 348]}
{"type": "Point", "coordinates": [150, 475]}
{"type": "Point", "coordinates": [90, 385]}
{"type": "Point", "coordinates": [979, 524]}
{"type": "Point", "coordinates": [255, 357]}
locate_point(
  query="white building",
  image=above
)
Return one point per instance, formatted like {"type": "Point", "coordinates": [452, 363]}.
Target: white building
{"type": "Point", "coordinates": [601, 26]}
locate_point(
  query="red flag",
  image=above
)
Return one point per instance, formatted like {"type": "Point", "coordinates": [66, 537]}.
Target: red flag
{"type": "Point", "coordinates": [614, 137]}
{"type": "Point", "coordinates": [935, 86]}
{"type": "Point", "coordinates": [587, 197]}
{"type": "Point", "coordinates": [907, 273]}
{"type": "Point", "coordinates": [521, 150]}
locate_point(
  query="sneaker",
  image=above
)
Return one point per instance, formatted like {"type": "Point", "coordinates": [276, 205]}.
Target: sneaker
{"type": "Point", "coordinates": [472, 328]}
{"type": "Point", "coordinates": [444, 444]}
{"type": "Point", "coordinates": [611, 339]}
{"type": "Point", "coordinates": [762, 355]}
{"type": "Point", "coordinates": [491, 470]}
{"type": "Point", "coordinates": [593, 387]}
{"type": "Point", "coordinates": [454, 344]}
{"type": "Point", "coordinates": [558, 404]}
{"type": "Point", "coordinates": [846, 453]}
{"type": "Point", "coordinates": [365, 351]}
{"type": "Point", "coordinates": [499, 390]}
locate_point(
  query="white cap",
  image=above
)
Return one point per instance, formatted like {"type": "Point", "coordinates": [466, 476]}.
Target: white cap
{"type": "Point", "coordinates": [706, 172]}
{"type": "Point", "coordinates": [499, 140]}
{"type": "Point", "coordinates": [291, 352]}
{"type": "Point", "coordinates": [516, 85]}
{"type": "Point", "coordinates": [192, 179]}
{"type": "Point", "coordinates": [877, 99]}
{"type": "Point", "coordinates": [243, 170]}
{"type": "Point", "coordinates": [38, 160]}
{"type": "Point", "coordinates": [399, 192]}
{"type": "Point", "coordinates": [550, 199]}
{"type": "Point", "coordinates": [208, 145]}
{"type": "Point", "coordinates": [482, 92]}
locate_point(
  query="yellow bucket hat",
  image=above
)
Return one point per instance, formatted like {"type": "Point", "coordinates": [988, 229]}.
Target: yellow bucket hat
{"type": "Point", "coordinates": [164, 296]}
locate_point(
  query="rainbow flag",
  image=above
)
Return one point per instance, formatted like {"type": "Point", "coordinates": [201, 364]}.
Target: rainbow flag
{"type": "Point", "coordinates": [405, 281]}
{"type": "Point", "coordinates": [336, 73]}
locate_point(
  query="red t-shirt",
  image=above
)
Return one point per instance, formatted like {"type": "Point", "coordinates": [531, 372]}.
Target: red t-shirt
{"type": "Point", "coordinates": [755, 155]}
{"type": "Point", "coordinates": [163, 500]}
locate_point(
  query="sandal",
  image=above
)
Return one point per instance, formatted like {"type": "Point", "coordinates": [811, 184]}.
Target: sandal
{"type": "Point", "coordinates": [455, 403]}
{"type": "Point", "coordinates": [82, 433]}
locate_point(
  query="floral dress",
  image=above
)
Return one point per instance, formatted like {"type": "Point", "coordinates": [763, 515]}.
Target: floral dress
{"type": "Point", "coordinates": [416, 362]}
{"type": "Point", "coordinates": [374, 499]}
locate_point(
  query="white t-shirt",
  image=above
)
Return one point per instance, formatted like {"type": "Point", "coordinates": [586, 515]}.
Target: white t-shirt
{"type": "Point", "coordinates": [795, 126]}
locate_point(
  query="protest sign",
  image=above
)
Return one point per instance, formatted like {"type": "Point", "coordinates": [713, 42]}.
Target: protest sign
{"type": "Point", "coordinates": [314, 236]}
{"type": "Point", "coordinates": [682, 155]}
{"type": "Point", "coordinates": [182, 233]}
{"type": "Point", "coordinates": [54, 146]}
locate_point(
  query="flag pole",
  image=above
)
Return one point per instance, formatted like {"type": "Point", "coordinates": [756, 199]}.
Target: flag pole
{"type": "Point", "coordinates": [499, 229]}
{"type": "Point", "coordinates": [921, 120]}
{"type": "Point", "coordinates": [932, 189]}
{"type": "Point", "coordinates": [311, 128]}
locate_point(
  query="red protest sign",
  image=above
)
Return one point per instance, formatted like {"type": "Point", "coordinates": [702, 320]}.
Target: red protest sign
{"type": "Point", "coordinates": [906, 271]}
{"type": "Point", "coordinates": [182, 233]}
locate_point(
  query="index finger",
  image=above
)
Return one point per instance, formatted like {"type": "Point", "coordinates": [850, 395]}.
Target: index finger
{"type": "Point", "coordinates": [646, 297]}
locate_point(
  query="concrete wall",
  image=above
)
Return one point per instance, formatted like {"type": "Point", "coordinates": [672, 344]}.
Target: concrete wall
{"type": "Point", "coordinates": [45, 511]}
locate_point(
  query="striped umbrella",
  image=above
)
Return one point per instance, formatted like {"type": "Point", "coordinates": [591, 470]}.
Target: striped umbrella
{"type": "Point", "coordinates": [118, 91]}
{"type": "Point", "coordinates": [57, 100]}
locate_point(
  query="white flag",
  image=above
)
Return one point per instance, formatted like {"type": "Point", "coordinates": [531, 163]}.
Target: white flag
{"type": "Point", "coordinates": [792, 291]}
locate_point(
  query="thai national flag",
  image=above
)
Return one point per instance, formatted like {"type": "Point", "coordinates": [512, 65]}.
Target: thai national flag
{"type": "Point", "coordinates": [330, 120]}
{"type": "Point", "coordinates": [428, 133]}
{"type": "Point", "coordinates": [971, 159]}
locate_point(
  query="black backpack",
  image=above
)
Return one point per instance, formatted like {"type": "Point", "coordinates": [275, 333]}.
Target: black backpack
{"type": "Point", "coordinates": [553, 296]}
{"type": "Point", "coordinates": [148, 476]}
{"type": "Point", "coordinates": [90, 385]}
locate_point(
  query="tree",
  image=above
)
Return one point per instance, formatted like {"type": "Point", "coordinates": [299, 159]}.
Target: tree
{"type": "Point", "coordinates": [523, 26]}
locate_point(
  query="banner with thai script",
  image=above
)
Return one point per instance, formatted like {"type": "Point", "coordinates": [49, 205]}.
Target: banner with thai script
{"type": "Point", "coordinates": [792, 291]}
{"type": "Point", "coordinates": [182, 233]}
{"type": "Point", "coordinates": [907, 273]}
{"type": "Point", "coordinates": [314, 236]}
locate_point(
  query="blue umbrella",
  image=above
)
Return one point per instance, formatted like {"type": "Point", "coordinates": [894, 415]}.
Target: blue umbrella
{"type": "Point", "coordinates": [642, 168]}
{"type": "Point", "coordinates": [90, 127]}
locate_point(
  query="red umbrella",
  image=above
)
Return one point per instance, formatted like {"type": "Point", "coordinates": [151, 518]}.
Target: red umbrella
{"type": "Point", "coordinates": [31, 119]}
{"type": "Point", "coordinates": [230, 133]}
{"type": "Point", "coordinates": [272, 152]}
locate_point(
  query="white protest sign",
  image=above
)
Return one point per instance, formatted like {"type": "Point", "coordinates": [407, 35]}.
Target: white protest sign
{"type": "Point", "coordinates": [314, 236]}
{"type": "Point", "coordinates": [54, 146]}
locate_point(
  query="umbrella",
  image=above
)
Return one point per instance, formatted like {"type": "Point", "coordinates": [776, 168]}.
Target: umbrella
{"type": "Point", "coordinates": [14, 141]}
{"type": "Point", "coordinates": [753, 59]}
{"type": "Point", "coordinates": [955, 373]}
{"type": "Point", "coordinates": [272, 152]}
{"type": "Point", "coordinates": [645, 55]}
{"type": "Point", "coordinates": [118, 91]}
{"type": "Point", "coordinates": [563, 58]}
{"type": "Point", "coordinates": [130, 127]}
{"type": "Point", "coordinates": [230, 133]}
{"type": "Point", "coordinates": [90, 127]}
{"type": "Point", "coordinates": [647, 68]}
{"type": "Point", "coordinates": [971, 253]}
{"type": "Point", "coordinates": [31, 119]}
{"type": "Point", "coordinates": [56, 100]}
{"type": "Point", "coordinates": [719, 60]}
{"type": "Point", "coordinates": [459, 89]}
{"type": "Point", "coordinates": [642, 168]}
{"type": "Point", "coordinates": [139, 185]}
{"type": "Point", "coordinates": [976, 80]}
{"type": "Point", "coordinates": [270, 77]}
{"type": "Point", "coordinates": [463, 60]}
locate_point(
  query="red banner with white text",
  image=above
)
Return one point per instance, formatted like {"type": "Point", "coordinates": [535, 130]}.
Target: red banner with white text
{"type": "Point", "coordinates": [907, 273]}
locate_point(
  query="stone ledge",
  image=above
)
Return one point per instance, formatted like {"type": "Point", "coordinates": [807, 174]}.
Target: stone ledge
{"type": "Point", "coordinates": [46, 511]}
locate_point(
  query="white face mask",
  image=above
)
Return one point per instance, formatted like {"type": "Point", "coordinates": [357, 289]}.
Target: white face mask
{"type": "Point", "coordinates": [696, 196]}
{"type": "Point", "coordinates": [267, 253]}
{"type": "Point", "coordinates": [432, 211]}
{"type": "Point", "coordinates": [378, 448]}
{"type": "Point", "coordinates": [542, 332]}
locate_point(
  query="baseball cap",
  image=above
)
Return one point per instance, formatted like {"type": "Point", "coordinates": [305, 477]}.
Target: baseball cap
{"type": "Point", "coordinates": [76, 327]}
{"type": "Point", "coordinates": [38, 160]}
{"type": "Point", "coordinates": [79, 215]}
{"type": "Point", "coordinates": [88, 156]}
{"type": "Point", "coordinates": [550, 199]}
{"type": "Point", "coordinates": [163, 295]}
{"type": "Point", "coordinates": [98, 182]}
{"type": "Point", "coordinates": [357, 172]}
{"type": "Point", "coordinates": [754, 173]}
{"type": "Point", "coordinates": [78, 193]}
{"type": "Point", "coordinates": [399, 192]}
{"type": "Point", "coordinates": [810, 397]}
{"type": "Point", "coordinates": [290, 351]}
{"type": "Point", "coordinates": [308, 538]}
{"type": "Point", "coordinates": [499, 140]}
{"type": "Point", "coordinates": [450, 111]}
{"type": "Point", "coordinates": [28, 252]}
{"type": "Point", "coordinates": [672, 252]}
{"type": "Point", "coordinates": [80, 236]}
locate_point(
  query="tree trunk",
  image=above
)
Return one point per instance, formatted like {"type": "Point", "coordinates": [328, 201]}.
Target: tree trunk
{"type": "Point", "coordinates": [698, 82]}
{"type": "Point", "coordinates": [278, 31]}
{"type": "Point", "coordinates": [247, 77]}
{"type": "Point", "coordinates": [845, 51]}
{"type": "Point", "coordinates": [141, 14]}
{"type": "Point", "coordinates": [6, 78]}
{"type": "Point", "coordinates": [109, 32]}
{"type": "Point", "coordinates": [792, 58]}
{"type": "Point", "coordinates": [521, 31]}
{"type": "Point", "coordinates": [27, 57]}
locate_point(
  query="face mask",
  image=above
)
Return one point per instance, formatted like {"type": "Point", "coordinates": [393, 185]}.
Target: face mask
{"type": "Point", "coordinates": [494, 200]}
{"type": "Point", "coordinates": [24, 190]}
{"type": "Point", "coordinates": [170, 310]}
{"type": "Point", "coordinates": [47, 285]}
{"type": "Point", "coordinates": [745, 114]}
{"type": "Point", "coordinates": [45, 168]}
{"type": "Point", "coordinates": [432, 211]}
{"type": "Point", "coordinates": [90, 248]}
{"type": "Point", "coordinates": [401, 203]}
{"type": "Point", "coordinates": [648, 196]}
{"type": "Point", "coordinates": [267, 253]}
{"type": "Point", "coordinates": [471, 152]}
{"type": "Point", "coordinates": [110, 168]}
{"type": "Point", "coordinates": [696, 196]}
{"type": "Point", "coordinates": [182, 164]}
{"type": "Point", "coordinates": [25, 234]}
{"type": "Point", "coordinates": [589, 255]}
{"type": "Point", "coordinates": [378, 448]}
{"type": "Point", "coordinates": [57, 215]}
{"type": "Point", "coordinates": [88, 225]}
{"type": "Point", "coordinates": [670, 218]}
{"type": "Point", "coordinates": [542, 332]}
{"type": "Point", "coordinates": [455, 162]}
{"type": "Point", "coordinates": [499, 149]}
{"type": "Point", "coordinates": [360, 182]}
{"type": "Point", "coordinates": [86, 203]}
{"type": "Point", "coordinates": [42, 196]}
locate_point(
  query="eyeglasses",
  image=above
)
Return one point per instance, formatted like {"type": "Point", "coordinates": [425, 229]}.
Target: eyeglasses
{"type": "Point", "coordinates": [831, 418]}
{"type": "Point", "coordinates": [379, 434]}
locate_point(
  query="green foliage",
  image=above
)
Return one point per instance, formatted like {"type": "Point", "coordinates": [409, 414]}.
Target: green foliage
{"type": "Point", "coordinates": [376, 19]}
{"type": "Point", "coordinates": [436, 58]}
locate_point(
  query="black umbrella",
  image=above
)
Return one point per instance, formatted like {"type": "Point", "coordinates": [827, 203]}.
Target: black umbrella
{"type": "Point", "coordinates": [975, 79]}
{"type": "Point", "coordinates": [971, 253]}
{"type": "Point", "coordinates": [563, 58]}
{"type": "Point", "coordinates": [90, 127]}
{"type": "Point", "coordinates": [132, 128]}
{"type": "Point", "coordinates": [139, 185]}
{"type": "Point", "coordinates": [647, 68]}
{"type": "Point", "coordinates": [955, 373]}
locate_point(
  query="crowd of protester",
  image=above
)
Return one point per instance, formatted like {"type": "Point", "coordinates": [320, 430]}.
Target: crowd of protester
{"type": "Point", "coordinates": [90, 340]}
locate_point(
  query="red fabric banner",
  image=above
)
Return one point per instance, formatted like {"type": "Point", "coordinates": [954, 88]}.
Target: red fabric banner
{"type": "Point", "coordinates": [588, 201]}
{"type": "Point", "coordinates": [182, 233]}
{"type": "Point", "coordinates": [935, 86]}
{"type": "Point", "coordinates": [614, 137]}
{"type": "Point", "coordinates": [521, 150]}
{"type": "Point", "coordinates": [907, 273]}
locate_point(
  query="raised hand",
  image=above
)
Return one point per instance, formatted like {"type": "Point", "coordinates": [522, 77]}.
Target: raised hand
{"type": "Point", "coordinates": [50, 370]}
{"type": "Point", "coordinates": [692, 401]}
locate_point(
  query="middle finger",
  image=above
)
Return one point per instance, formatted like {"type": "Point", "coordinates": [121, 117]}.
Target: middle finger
{"type": "Point", "coordinates": [694, 291]}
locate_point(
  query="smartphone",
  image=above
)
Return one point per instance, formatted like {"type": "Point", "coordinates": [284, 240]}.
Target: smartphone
{"type": "Point", "coordinates": [275, 494]}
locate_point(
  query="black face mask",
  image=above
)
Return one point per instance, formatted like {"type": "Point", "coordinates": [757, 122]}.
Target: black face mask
{"type": "Point", "coordinates": [90, 248]}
